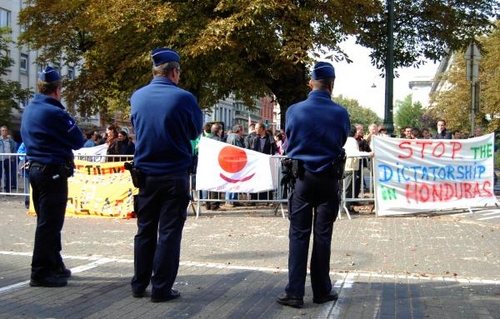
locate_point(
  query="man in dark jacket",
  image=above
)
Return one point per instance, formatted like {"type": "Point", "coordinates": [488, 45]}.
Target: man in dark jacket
{"type": "Point", "coordinates": [8, 163]}
{"type": "Point", "coordinates": [263, 142]}
{"type": "Point", "coordinates": [442, 132]}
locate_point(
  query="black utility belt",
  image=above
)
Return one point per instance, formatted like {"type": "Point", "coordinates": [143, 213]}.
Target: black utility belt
{"type": "Point", "coordinates": [335, 169]}
{"type": "Point", "coordinates": [63, 170]}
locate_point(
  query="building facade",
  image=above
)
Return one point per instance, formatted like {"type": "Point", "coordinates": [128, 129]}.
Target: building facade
{"type": "Point", "coordinates": [25, 68]}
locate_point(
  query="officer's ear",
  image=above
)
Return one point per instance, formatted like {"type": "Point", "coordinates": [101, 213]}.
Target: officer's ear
{"type": "Point", "coordinates": [58, 92]}
{"type": "Point", "coordinates": [311, 84]}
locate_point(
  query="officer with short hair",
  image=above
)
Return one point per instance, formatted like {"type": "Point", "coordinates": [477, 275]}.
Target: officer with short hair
{"type": "Point", "coordinates": [166, 119]}
{"type": "Point", "coordinates": [49, 134]}
{"type": "Point", "coordinates": [314, 203]}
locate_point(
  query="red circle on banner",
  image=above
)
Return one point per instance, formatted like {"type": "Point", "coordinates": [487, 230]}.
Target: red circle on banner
{"type": "Point", "coordinates": [232, 159]}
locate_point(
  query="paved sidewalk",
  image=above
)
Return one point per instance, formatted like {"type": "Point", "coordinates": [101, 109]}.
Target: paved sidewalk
{"type": "Point", "coordinates": [233, 265]}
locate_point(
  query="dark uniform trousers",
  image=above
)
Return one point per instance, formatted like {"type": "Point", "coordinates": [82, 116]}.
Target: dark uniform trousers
{"type": "Point", "coordinates": [313, 205]}
{"type": "Point", "coordinates": [161, 209]}
{"type": "Point", "coordinates": [50, 194]}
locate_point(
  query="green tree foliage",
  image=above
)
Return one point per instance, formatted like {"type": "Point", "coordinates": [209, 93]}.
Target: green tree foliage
{"type": "Point", "coordinates": [10, 91]}
{"type": "Point", "coordinates": [489, 78]}
{"type": "Point", "coordinates": [453, 102]}
{"type": "Point", "coordinates": [248, 47]}
{"type": "Point", "coordinates": [408, 113]}
{"type": "Point", "coordinates": [358, 113]}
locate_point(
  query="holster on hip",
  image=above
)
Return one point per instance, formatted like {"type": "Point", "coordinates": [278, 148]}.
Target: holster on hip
{"type": "Point", "coordinates": [138, 178]}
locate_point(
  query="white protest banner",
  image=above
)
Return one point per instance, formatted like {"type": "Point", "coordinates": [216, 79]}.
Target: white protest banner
{"type": "Point", "coordinates": [92, 153]}
{"type": "Point", "coordinates": [419, 175]}
{"type": "Point", "coordinates": [227, 168]}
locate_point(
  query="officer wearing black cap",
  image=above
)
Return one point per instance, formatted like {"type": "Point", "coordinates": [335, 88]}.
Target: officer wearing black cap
{"type": "Point", "coordinates": [165, 119]}
{"type": "Point", "coordinates": [49, 134]}
{"type": "Point", "coordinates": [314, 203]}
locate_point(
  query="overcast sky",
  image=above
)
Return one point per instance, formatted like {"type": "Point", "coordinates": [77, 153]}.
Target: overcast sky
{"type": "Point", "coordinates": [355, 80]}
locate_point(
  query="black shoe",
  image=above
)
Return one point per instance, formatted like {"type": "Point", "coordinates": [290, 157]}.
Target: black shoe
{"type": "Point", "coordinates": [63, 272]}
{"type": "Point", "coordinates": [138, 294]}
{"type": "Point", "coordinates": [330, 297]}
{"type": "Point", "coordinates": [286, 300]}
{"type": "Point", "coordinates": [174, 294]}
{"type": "Point", "coordinates": [52, 281]}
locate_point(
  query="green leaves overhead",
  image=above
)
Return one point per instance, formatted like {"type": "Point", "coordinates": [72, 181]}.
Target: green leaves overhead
{"type": "Point", "coordinates": [246, 47]}
{"type": "Point", "coordinates": [11, 92]}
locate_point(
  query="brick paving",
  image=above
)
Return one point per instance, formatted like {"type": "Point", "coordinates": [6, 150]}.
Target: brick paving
{"type": "Point", "coordinates": [234, 263]}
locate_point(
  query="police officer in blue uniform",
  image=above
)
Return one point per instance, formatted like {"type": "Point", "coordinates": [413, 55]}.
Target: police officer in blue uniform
{"type": "Point", "coordinates": [165, 119]}
{"type": "Point", "coordinates": [314, 203]}
{"type": "Point", "coordinates": [49, 134]}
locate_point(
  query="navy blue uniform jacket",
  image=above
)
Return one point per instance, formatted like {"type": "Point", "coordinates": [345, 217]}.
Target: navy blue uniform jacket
{"type": "Point", "coordinates": [49, 132]}
{"type": "Point", "coordinates": [165, 118]}
{"type": "Point", "coordinates": [316, 130]}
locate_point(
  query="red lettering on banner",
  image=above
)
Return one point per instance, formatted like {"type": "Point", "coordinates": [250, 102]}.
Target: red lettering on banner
{"type": "Point", "coordinates": [456, 146]}
{"type": "Point", "coordinates": [439, 147]}
{"type": "Point", "coordinates": [436, 150]}
{"type": "Point", "coordinates": [443, 192]}
{"type": "Point", "coordinates": [424, 144]}
{"type": "Point", "coordinates": [98, 170]}
{"type": "Point", "coordinates": [403, 145]}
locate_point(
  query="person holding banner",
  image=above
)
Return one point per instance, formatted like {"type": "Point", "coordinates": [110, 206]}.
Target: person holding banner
{"type": "Point", "coordinates": [49, 134]}
{"type": "Point", "coordinates": [166, 119]}
{"type": "Point", "coordinates": [314, 203]}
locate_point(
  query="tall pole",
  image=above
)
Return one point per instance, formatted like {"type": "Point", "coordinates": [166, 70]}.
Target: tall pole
{"type": "Point", "coordinates": [473, 56]}
{"type": "Point", "coordinates": [389, 70]}
{"type": "Point", "coordinates": [473, 107]}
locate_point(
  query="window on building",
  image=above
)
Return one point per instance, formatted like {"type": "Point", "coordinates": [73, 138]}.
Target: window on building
{"type": "Point", "coordinates": [24, 63]}
{"type": "Point", "coordinates": [57, 66]}
{"type": "Point", "coordinates": [24, 103]}
{"type": "Point", "coordinates": [71, 73]}
{"type": "Point", "coordinates": [4, 18]}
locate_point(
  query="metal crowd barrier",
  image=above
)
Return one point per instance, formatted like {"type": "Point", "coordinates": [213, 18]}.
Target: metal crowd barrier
{"type": "Point", "coordinates": [14, 179]}
{"type": "Point", "coordinates": [104, 158]}
{"type": "Point", "coordinates": [358, 173]}
{"type": "Point", "coordinates": [358, 177]}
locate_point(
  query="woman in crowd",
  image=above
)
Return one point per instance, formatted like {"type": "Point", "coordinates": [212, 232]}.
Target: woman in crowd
{"type": "Point", "coordinates": [112, 142]}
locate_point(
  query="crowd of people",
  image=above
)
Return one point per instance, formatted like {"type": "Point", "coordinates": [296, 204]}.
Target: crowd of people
{"type": "Point", "coordinates": [118, 142]}
{"type": "Point", "coordinates": [441, 132]}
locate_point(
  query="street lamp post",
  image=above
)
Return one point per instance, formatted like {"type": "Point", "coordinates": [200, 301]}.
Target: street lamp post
{"type": "Point", "coordinates": [389, 70]}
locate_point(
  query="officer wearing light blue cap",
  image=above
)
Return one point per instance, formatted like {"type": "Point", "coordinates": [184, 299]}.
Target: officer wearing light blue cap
{"type": "Point", "coordinates": [316, 130]}
{"type": "Point", "coordinates": [165, 119]}
{"type": "Point", "coordinates": [49, 134]}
